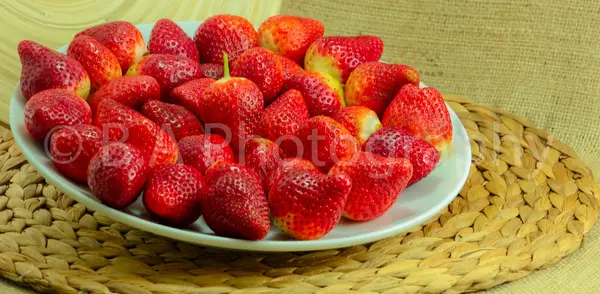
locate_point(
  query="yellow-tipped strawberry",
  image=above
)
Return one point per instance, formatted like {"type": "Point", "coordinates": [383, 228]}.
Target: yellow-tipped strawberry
{"type": "Point", "coordinates": [122, 38]}
{"type": "Point", "coordinates": [374, 84]}
{"type": "Point", "coordinates": [423, 113]}
{"type": "Point", "coordinates": [100, 63]}
{"type": "Point", "coordinates": [235, 103]}
{"type": "Point", "coordinates": [322, 93]}
{"type": "Point", "coordinates": [360, 121]}
{"type": "Point", "coordinates": [44, 68]}
{"type": "Point", "coordinates": [289, 36]}
{"type": "Point", "coordinates": [339, 56]}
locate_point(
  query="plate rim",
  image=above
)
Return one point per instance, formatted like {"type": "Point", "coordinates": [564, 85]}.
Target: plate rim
{"type": "Point", "coordinates": [203, 239]}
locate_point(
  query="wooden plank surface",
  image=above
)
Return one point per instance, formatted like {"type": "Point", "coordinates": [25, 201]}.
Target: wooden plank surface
{"type": "Point", "coordinates": [53, 23]}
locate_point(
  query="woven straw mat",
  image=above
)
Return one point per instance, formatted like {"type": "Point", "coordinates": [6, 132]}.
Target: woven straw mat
{"type": "Point", "coordinates": [528, 202]}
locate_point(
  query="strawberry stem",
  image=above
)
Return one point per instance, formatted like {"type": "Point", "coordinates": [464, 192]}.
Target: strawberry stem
{"type": "Point", "coordinates": [225, 65]}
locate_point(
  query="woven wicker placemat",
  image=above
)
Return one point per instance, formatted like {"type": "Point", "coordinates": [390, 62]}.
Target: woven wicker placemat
{"type": "Point", "coordinates": [528, 202]}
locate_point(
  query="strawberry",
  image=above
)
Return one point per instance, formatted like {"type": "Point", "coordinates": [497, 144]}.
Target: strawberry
{"type": "Point", "coordinates": [101, 65]}
{"type": "Point", "coordinates": [285, 166]}
{"type": "Point", "coordinates": [169, 70]}
{"type": "Point", "coordinates": [131, 91]}
{"type": "Point", "coordinates": [261, 155]}
{"type": "Point", "coordinates": [322, 93]}
{"type": "Point", "coordinates": [172, 194]}
{"type": "Point", "coordinates": [359, 120]}
{"type": "Point", "coordinates": [423, 113]}
{"type": "Point", "coordinates": [263, 68]}
{"type": "Point", "coordinates": [281, 121]}
{"type": "Point", "coordinates": [289, 36]}
{"type": "Point", "coordinates": [222, 167]}
{"type": "Point", "coordinates": [325, 141]}
{"type": "Point", "coordinates": [117, 174]}
{"type": "Point", "coordinates": [234, 103]}
{"type": "Point", "coordinates": [189, 95]}
{"type": "Point", "coordinates": [397, 142]}
{"type": "Point", "coordinates": [308, 204]}
{"type": "Point", "coordinates": [289, 68]}
{"type": "Point", "coordinates": [374, 84]}
{"type": "Point", "coordinates": [175, 118]}
{"type": "Point", "coordinates": [235, 205]}
{"type": "Point", "coordinates": [168, 38]}
{"type": "Point", "coordinates": [72, 148]}
{"type": "Point", "coordinates": [377, 182]}
{"type": "Point", "coordinates": [339, 56]}
{"type": "Point", "coordinates": [201, 152]}
{"type": "Point", "coordinates": [122, 38]}
{"type": "Point", "coordinates": [125, 124]}
{"type": "Point", "coordinates": [224, 33]}
{"type": "Point", "coordinates": [212, 70]}
{"type": "Point", "coordinates": [44, 68]}
{"type": "Point", "coordinates": [47, 110]}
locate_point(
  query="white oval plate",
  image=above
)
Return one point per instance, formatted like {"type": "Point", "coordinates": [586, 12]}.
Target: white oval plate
{"type": "Point", "coordinates": [416, 205]}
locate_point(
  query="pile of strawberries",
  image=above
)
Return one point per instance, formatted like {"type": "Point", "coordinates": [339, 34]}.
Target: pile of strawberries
{"type": "Point", "coordinates": [239, 126]}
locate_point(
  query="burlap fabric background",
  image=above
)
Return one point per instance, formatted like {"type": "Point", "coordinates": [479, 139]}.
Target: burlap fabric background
{"type": "Point", "coordinates": [538, 59]}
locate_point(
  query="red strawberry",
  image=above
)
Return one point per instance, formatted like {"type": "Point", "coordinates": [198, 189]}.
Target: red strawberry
{"type": "Point", "coordinates": [397, 142]}
{"type": "Point", "coordinates": [189, 95]}
{"type": "Point", "coordinates": [359, 120]}
{"type": "Point", "coordinates": [50, 109]}
{"type": "Point", "coordinates": [117, 174]}
{"type": "Point", "coordinates": [224, 33]}
{"type": "Point", "coordinates": [262, 155]}
{"type": "Point", "coordinates": [222, 167]}
{"type": "Point", "coordinates": [212, 70]}
{"type": "Point", "coordinates": [263, 68]}
{"type": "Point", "coordinates": [339, 56]}
{"type": "Point", "coordinates": [290, 68]}
{"type": "Point", "coordinates": [308, 204]}
{"type": "Point", "coordinates": [322, 93]}
{"type": "Point", "coordinates": [122, 38]}
{"type": "Point", "coordinates": [131, 91]}
{"type": "Point", "coordinates": [423, 113]}
{"type": "Point", "coordinates": [169, 70]}
{"type": "Point", "coordinates": [44, 68]}
{"type": "Point", "coordinates": [172, 194]}
{"type": "Point", "coordinates": [377, 182]}
{"type": "Point", "coordinates": [281, 121]}
{"type": "Point", "coordinates": [201, 152]}
{"type": "Point", "coordinates": [99, 62]}
{"type": "Point", "coordinates": [72, 148]}
{"type": "Point", "coordinates": [235, 103]}
{"type": "Point", "coordinates": [289, 36]}
{"type": "Point", "coordinates": [285, 166]}
{"type": "Point", "coordinates": [374, 84]}
{"type": "Point", "coordinates": [168, 38]}
{"type": "Point", "coordinates": [125, 124]}
{"type": "Point", "coordinates": [326, 141]}
{"type": "Point", "coordinates": [175, 118]}
{"type": "Point", "coordinates": [236, 205]}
